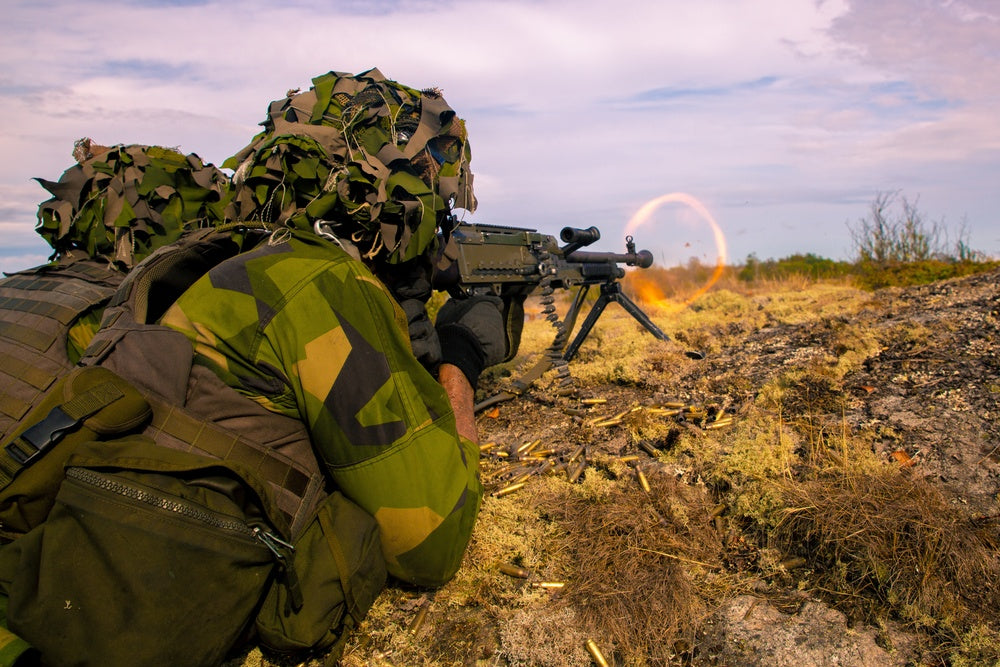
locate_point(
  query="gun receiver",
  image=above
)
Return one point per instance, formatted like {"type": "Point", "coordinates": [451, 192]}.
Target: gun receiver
{"type": "Point", "coordinates": [493, 259]}
{"type": "Point", "coordinates": [514, 261]}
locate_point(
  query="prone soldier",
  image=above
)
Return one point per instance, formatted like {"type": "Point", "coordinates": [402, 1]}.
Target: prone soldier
{"type": "Point", "coordinates": [292, 345]}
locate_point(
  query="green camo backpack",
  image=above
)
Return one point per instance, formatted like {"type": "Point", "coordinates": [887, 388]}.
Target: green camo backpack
{"type": "Point", "coordinates": [125, 551]}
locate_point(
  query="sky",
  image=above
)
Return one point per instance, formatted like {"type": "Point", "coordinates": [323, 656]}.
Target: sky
{"type": "Point", "coordinates": [783, 119]}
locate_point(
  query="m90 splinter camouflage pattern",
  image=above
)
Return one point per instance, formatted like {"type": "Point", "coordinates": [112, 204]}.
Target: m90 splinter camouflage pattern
{"type": "Point", "coordinates": [303, 330]}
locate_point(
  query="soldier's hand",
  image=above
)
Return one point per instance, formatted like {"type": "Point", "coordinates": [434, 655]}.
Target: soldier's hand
{"type": "Point", "coordinates": [472, 334]}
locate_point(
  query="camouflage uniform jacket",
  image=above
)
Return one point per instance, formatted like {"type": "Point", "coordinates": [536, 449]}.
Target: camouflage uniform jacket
{"type": "Point", "coordinates": [304, 330]}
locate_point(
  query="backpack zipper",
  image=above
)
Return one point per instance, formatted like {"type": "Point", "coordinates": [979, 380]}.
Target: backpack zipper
{"type": "Point", "coordinates": [282, 551]}
{"type": "Point", "coordinates": [153, 500]}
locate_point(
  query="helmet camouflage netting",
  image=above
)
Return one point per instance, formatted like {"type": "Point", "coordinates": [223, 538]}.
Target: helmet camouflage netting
{"type": "Point", "coordinates": [123, 202]}
{"type": "Point", "coordinates": [377, 160]}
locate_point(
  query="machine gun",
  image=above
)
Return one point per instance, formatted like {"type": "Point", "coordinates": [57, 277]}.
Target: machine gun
{"type": "Point", "coordinates": [514, 261]}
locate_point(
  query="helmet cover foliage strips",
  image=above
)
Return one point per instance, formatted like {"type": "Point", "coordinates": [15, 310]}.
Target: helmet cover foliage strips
{"type": "Point", "coordinates": [123, 202]}
{"type": "Point", "coordinates": [377, 160]}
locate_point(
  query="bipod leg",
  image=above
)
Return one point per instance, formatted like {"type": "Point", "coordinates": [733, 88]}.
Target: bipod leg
{"type": "Point", "coordinates": [616, 294]}
{"type": "Point", "coordinates": [612, 291]}
{"type": "Point", "coordinates": [637, 313]}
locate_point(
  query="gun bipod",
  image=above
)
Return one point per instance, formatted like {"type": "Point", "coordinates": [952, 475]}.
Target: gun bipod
{"type": "Point", "coordinates": [610, 291]}
{"type": "Point", "coordinates": [556, 357]}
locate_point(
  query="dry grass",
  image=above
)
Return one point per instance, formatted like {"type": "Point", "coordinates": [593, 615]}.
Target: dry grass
{"type": "Point", "coordinates": [638, 561]}
{"type": "Point", "coordinates": [886, 544]}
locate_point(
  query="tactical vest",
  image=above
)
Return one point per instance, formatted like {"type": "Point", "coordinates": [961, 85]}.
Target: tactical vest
{"type": "Point", "coordinates": [193, 409]}
{"type": "Point", "coordinates": [37, 309]}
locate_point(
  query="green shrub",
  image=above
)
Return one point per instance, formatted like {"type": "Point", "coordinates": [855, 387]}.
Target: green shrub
{"type": "Point", "coordinates": [808, 265]}
{"type": "Point", "coordinates": [872, 275]}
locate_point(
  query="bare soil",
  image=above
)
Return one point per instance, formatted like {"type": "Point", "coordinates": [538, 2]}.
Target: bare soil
{"type": "Point", "coordinates": [932, 390]}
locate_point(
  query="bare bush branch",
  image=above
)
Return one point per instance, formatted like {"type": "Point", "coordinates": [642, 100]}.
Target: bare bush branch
{"type": "Point", "coordinates": [895, 231]}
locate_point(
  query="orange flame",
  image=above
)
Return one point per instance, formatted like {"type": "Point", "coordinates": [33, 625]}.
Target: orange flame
{"type": "Point", "coordinates": [648, 291]}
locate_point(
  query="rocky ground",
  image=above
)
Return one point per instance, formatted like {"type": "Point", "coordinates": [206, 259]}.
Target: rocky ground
{"type": "Point", "coordinates": [929, 385]}
{"type": "Point", "coordinates": [930, 394]}
{"type": "Point", "coordinates": [913, 371]}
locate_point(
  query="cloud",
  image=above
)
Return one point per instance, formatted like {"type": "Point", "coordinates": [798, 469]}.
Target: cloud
{"type": "Point", "coordinates": [172, 3]}
{"type": "Point", "coordinates": [579, 110]}
{"type": "Point", "coordinates": [139, 69]}
{"type": "Point", "coordinates": [946, 46]}
{"type": "Point", "coordinates": [670, 93]}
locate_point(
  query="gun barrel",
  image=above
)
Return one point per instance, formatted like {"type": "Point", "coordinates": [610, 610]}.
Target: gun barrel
{"type": "Point", "coordinates": [643, 259]}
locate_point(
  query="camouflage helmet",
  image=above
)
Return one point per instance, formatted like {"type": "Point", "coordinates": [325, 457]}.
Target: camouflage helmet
{"type": "Point", "coordinates": [378, 161]}
{"type": "Point", "coordinates": [122, 202]}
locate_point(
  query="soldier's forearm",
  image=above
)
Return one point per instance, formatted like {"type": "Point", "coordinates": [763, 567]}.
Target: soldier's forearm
{"type": "Point", "coordinates": [462, 398]}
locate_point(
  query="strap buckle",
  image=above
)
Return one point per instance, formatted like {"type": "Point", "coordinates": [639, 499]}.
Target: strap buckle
{"type": "Point", "coordinates": [41, 437]}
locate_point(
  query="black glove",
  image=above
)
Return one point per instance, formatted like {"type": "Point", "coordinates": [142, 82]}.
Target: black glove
{"type": "Point", "coordinates": [410, 285]}
{"type": "Point", "coordinates": [472, 334]}
{"type": "Point", "coordinates": [423, 335]}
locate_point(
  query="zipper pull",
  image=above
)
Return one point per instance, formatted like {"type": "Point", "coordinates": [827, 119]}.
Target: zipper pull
{"type": "Point", "coordinates": [284, 553]}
